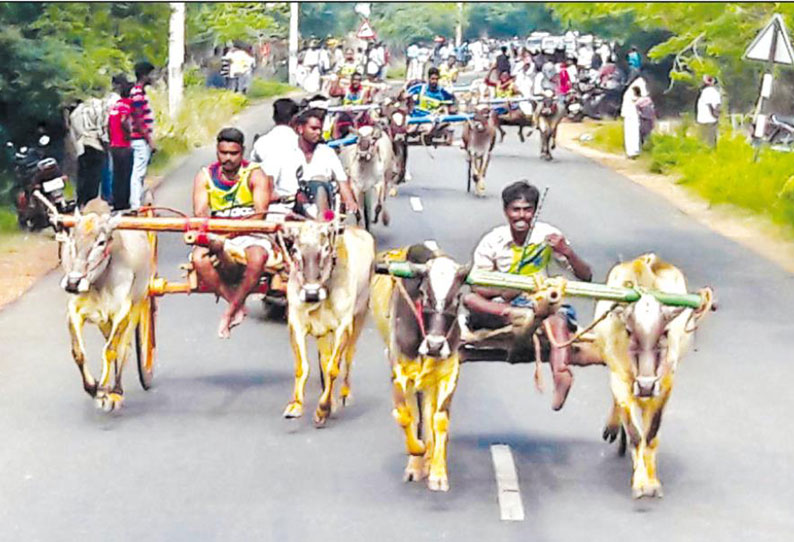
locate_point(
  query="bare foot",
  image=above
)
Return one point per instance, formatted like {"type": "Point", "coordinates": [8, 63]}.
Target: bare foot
{"type": "Point", "coordinates": [228, 321]}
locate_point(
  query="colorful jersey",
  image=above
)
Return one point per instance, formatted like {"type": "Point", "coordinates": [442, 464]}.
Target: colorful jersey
{"type": "Point", "coordinates": [230, 199]}
{"type": "Point", "coordinates": [496, 251]}
{"type": "Point", "coordinates": [347, 69]}
{"type": "Point", "coordinates": [119, 113]}
{"type": "Point", "coordinates": [141, 114]}
{"type": "Point", "coordinates": [354, 98]}
{"type": "Point", "coordinates": [447, 75]}
{"type": "Point", "coordinates": [429, 100]}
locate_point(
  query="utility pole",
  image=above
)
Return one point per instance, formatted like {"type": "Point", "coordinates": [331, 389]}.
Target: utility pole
{"type": "Point", "coordinates": [293, 41]}
{"type": "Point", "coordinates": [176, 56]}
{"type": "Point", "coordinates": [459, 27]}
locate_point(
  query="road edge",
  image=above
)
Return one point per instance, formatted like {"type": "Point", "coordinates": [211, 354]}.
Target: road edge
{"type": "Point", "coordinates": [753, 232]}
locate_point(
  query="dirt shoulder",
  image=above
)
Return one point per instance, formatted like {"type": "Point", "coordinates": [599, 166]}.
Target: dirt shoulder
{"type": "Point", "coordinates": [751, 231]}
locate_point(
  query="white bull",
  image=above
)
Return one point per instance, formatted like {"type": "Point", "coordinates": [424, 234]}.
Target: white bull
{"type": "Point", "coordinates": [370, 164]}
{"type": "Point", "coordinates": [107, 271]}
{"type": "Point", "coordinates": [642, 344]}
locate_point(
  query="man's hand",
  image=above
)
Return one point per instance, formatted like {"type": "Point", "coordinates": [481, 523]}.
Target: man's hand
{"type": "Point", "coordinates": [351, 207]}
{"type": "Point", "coordinates": [559, 244]}
{"type": "Point", "coordinates": [519, 317]}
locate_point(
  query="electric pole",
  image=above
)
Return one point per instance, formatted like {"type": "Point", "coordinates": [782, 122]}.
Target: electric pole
{"type": "Point", "coordinates": [293, 41]}
{"type": "Point", "coordinates": [459, 27]}
{"type": "Point", "coordinates": [176, 56]}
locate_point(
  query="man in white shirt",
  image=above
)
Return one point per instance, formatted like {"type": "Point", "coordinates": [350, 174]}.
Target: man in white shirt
{"type": "Point", "coordinates": [278, 147]}
{"type": "Point", "coordinates": [308, 166]}
{"type": "Point", "coordinates": [513, 248]}
{"type": "Point", "coordinates": [708, 110]}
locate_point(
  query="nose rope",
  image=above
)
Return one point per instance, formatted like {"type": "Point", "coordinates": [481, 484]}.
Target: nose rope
{"type": "Point", "coordinates": [415, 305]}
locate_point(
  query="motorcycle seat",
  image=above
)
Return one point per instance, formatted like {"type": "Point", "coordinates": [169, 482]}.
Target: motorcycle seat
{"type": "Point", "coordinates": [785, 119]}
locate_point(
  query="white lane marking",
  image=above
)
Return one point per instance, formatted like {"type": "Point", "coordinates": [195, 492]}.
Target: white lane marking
{"type": "Point", "coordinates": [432, 245]}
{"type": "Point", "coordinates": [416, 205]}
{"type": "Point", "coordinates": [510, 506]}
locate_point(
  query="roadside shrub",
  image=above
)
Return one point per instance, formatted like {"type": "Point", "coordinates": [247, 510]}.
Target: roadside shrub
{"type": "Point", "coordinates": [8, 220]}
{"type": "Point", "coordinates": [203, 112]}
{"type": "Point", "coordinates": [193, 77]}
{"type": "Point", "coordinates": [262, 88]}
{"type": "Point", "coordinates": [609, 136]}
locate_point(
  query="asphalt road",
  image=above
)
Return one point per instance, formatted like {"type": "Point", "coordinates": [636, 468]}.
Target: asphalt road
{"type": "Point", "coordinates": [206, 454]}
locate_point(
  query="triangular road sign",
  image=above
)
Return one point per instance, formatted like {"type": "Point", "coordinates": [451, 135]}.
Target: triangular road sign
{"type": "Point", "coordinates": [773, 34]}
{"type": "Point", "coordinates": [365, 31]}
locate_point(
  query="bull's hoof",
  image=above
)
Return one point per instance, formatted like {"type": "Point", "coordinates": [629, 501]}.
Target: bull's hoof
{"type": "Point", "coordinates": [610, 433]}
{"type": "Point", "coordinates": [346, 396]}
{"type": "Point", "coordinates": [320, 418]}
{"type": "Point", "coordinates": [393, 192]}
{"type": "Point", "coordinates": [108, 402]}
{"type": "Point", "coordinates": [480, 189]}
{"type": "Point", "coordinates": [437, 483]}
{"type": "Point", "coordinates": [652, 489]}
{"type": "Point", "coordinates": [90, 389]}
{"type": "Point", "coordinates": [386, 218]}
{"type": "Point", "coordinates": [293, 410]}
{"type": "Point", "coordinates": [415, 470]}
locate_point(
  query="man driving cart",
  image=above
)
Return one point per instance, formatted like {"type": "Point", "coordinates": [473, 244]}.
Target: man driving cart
{"type": "Point", "coordinates": [431, 99]}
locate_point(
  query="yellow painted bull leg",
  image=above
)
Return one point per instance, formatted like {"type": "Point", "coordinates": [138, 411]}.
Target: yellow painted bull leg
{"type": "Point", "coordinates": [653, 420]}
{"type": "Point", "coordinates": [298, 341]}
{"type": "Point", "coordinates": [406, 413]}
{"type": "Point", "coordinates": [331, 372]}
{"type": "Point", "coordinates": [636, 434]}
{"type": "Point", "coordinates": [427, 403]}
{"type": "Point", "coordinates": [345, 393]}
{"type": "Point", "coordinates": [438, 480]}
{"type": "Point", "coordinates": [105, 399]}
{"type": "Point", "coordinates": [76, 322]}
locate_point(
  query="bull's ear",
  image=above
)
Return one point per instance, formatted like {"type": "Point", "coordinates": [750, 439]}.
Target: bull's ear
{"type": "Point", "coordinates": [377, 132]}
{"type": "Point", "coordinates": [77, 211]}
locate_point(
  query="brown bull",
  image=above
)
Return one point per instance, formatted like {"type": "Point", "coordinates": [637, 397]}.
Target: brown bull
{"type": "Point", "coordinates": [479, 137]}
{"type": "Point", "coordinates": [418, 319]}
{"type": "Point", "coordinates": [642, 344]}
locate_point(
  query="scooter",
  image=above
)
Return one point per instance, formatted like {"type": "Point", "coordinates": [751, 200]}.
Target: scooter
{"type": "Point", "coordinates": [38, 177]}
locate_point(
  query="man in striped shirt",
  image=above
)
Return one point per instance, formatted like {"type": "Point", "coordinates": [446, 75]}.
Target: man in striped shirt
{"type": "Point", "coordinates": [142, 135]}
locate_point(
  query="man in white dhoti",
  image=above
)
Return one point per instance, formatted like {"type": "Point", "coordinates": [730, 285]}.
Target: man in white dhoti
{"type": "Point", "coordinates": [631, 121]}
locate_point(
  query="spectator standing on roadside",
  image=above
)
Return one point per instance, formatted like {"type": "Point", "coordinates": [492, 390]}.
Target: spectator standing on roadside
{"type": "Point", "coordinates": [142, 136]}
{"type": "Point", "coordinates": [631, 121]}
{"type": "Point", "coordinates": [88, 125]}
{"type": "Point", "coordinates": [634, 60]}
{"type": "Point", "coordinates": [120, 130]}
{"type": "Point", "coordinates": [708, 110]}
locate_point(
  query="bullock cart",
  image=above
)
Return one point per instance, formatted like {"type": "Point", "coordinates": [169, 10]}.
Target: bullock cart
{"type": "Point", "coordinates": [553, 290]}
{"type": "Point", "coordinates": [201, 232]}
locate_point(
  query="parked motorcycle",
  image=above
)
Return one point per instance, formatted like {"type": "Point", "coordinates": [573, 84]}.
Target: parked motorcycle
{"type": "Point", "coordinates": [38, 175]}
{"type": "Point", "coordinates": [779, 130]}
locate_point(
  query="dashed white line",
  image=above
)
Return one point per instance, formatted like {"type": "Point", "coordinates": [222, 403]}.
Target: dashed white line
{"type": "Point", "coordinates": [510, 506]}
{"type": "Point", "coordinates": [416, 204]}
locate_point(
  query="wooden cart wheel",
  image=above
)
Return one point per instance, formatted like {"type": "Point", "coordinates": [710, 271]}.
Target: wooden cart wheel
{"type": "Point", "coordinates": [468, 180]}
{"type": "Point", "coordinates": [145, 342]}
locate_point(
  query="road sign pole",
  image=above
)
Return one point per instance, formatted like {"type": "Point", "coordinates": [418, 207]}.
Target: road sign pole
{"type": "Point", "coordinates": [293, 42]}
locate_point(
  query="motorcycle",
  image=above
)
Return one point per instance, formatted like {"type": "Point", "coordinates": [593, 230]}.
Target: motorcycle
{"type": "Point", "coordinates": [38, 177]}
{"type": "Point", "coordinates": [779, 130]}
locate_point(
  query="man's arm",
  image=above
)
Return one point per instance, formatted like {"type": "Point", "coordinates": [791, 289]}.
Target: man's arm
{"type": "Point", "coordinates": [139, 103]}
{"type": "Point", "coordinates": [345, 191]}
{"type": "Point", "coordinates": [561, 246]}
{"type": "Point", "coordinates": [261, 186]}
{"type": "Point", "coordinates": [201, 200]}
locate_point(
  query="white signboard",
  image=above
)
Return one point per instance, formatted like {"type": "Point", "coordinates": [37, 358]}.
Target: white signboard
{"type": "Point", "coordinates": [773, 33]}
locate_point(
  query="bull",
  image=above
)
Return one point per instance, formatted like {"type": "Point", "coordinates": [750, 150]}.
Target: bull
{"type": "Point", "coordinates": [418, 319]}
{"type": "Point", "coordinates": [642, 344]}
{"type": "Point", "coordinates": [479, 138]}
{"type": "Point", "coordinates": [107, 273]}
{"type": "Point", "coordinates": [327, 295]}
{"type": "Point", "coordinates": [370, 164]}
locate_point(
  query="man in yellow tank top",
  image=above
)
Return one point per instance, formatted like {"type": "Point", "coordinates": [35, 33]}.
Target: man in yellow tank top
{"type": "Point", "coordinates": [232, 188]}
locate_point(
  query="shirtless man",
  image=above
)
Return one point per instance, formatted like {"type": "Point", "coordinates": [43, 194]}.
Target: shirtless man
{"type": "Point", "coordinates": [232, 188]}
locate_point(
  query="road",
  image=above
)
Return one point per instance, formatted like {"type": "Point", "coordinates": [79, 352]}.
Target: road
{"type": "Point", "coordinates": [206, 454]}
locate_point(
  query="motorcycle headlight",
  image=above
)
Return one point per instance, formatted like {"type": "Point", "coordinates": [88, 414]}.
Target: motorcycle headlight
{"type": "Point", "coordinates": [44, 140]}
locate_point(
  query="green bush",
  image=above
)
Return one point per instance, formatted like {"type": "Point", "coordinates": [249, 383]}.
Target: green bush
{"type": "Point", "coordinates": [262, 88]}
{"type": "Point", "coordinates": [8, 220]}
{"type": "Point", "coordinates": [609, 136]}
{"type": "Point", "coordinates": [203, 112]}
{"type": "Point", "coordinates": [193, 77]}
{"type": "Point", "coordinates": [397, 72]}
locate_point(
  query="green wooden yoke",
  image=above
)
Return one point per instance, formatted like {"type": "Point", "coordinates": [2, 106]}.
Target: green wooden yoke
{"type": "Point", "coordinates": [496, 279]}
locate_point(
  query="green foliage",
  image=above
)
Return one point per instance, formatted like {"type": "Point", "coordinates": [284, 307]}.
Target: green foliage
{"type": "Point", "coordinates": [261, 88]}
{"type": "Point", "coordinates": [8, 220]}
{"type": "Point", "coordinates": [401, 24]}
{"type": "Point", "coordinates": [193, 77]}
{"type": "Point", "coordinates": [608, 136]}
{"type": "Point", "coordinates": [227, 22]}
{"type": "Point", "coordinates": [322, 19]}
{"type": "Point", "coordinates": [202, 114]}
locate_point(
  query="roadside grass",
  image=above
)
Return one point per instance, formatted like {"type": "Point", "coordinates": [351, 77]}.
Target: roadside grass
{"type": "Point", "coordinates": [263, 88]}
{"type": "Point", "coordinates": [8, 220]}
{"type": "Point", "coordinates": [397, 72]}
{"type": "Point", "coordinates": [725, 175]}
{"type": "Point", "coordinates": [203, 112]}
